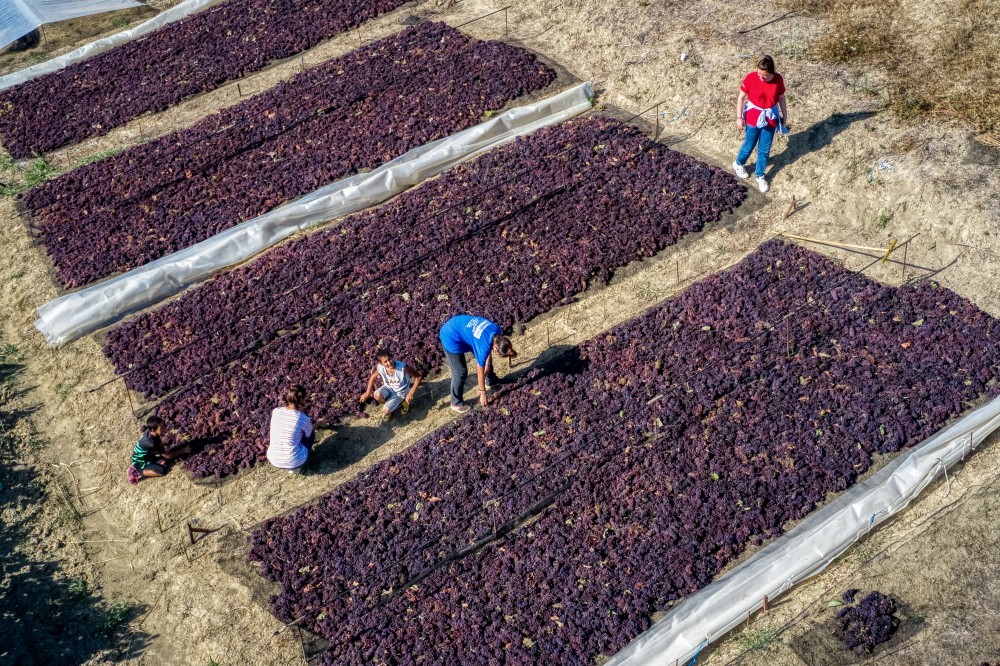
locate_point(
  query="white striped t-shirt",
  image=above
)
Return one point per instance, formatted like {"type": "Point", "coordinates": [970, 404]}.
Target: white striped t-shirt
{"type": "Point", "coordinates": [288, 427]}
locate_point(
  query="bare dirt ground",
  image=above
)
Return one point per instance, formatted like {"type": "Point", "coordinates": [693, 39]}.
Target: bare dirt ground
{"type": "Point", "coordinates": [859, 174]}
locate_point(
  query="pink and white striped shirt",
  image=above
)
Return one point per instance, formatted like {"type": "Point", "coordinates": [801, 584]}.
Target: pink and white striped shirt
{"type": "Point", "coordinates": [288, 427]}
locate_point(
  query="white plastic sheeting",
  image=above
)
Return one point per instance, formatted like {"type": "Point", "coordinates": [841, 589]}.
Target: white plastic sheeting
{"type": "Point", "coordinates": [73, 315]}
{"type": "Point", "coordinates": [19, 17]}
{"type": "Point", "coordinates": [175, 13]}
{"type": "Point", "coordinates": [808, 548]}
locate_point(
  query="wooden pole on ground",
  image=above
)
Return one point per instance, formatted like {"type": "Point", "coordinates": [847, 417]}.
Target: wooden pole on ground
{"type": "Point", "coordinates": [838, 244]}
{"type": "Point", "coordinates": [200, 530]}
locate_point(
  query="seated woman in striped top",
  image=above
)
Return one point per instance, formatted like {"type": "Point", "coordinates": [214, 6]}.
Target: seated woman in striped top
{"type": "Point", "coordinates": [292, 435]}
{"type": "Point", "coordinates": [399, 383]}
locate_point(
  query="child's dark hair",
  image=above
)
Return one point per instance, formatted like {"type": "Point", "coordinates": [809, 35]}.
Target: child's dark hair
{"type": "Point", "coordinates": [504, 346]}
{"type": "Point", "coordinates": [382, 353]}
{"type": "Point", "coordinates": [296, 396]}
{"type": "Point", "coordinates": [153, 423]}
{"type": "Point", "coordinates": [767, 64]}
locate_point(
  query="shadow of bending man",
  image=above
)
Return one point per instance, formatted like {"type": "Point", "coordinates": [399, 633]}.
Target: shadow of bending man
{"type": "Point", "coordinates": [815, 138]}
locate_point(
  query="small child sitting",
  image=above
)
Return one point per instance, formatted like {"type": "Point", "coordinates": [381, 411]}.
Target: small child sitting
{"type": "Point", "coordinates": [399, 383]}
{"type": "Point", "coordinates": [149, 457]}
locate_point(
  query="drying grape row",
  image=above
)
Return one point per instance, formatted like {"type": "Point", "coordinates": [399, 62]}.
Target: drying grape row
{"type": "Point", "coordinates": [550, 212]}
{"type": "Point", "coordinates": [632, 471]}
{"type": "Point", "coordinates": [193, 55]}
{"type": "Point", "coordinates": [351, 113]}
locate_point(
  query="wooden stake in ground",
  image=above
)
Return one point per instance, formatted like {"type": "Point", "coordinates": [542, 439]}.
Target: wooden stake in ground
{"type": "Point", "coordinates": [792, 207]}
{"type": "Point", "coordinates": [199, 530]}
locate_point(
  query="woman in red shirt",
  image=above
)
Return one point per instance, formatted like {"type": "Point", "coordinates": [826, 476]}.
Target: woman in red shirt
{"type": "Point", "coordinates": [760, 111]}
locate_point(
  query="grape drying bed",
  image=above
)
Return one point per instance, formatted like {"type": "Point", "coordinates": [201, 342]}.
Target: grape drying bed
{"type": "Point", "coordinates": [628, 473]}
{"type": "Point", "coordinates": [351, 113]}
{"type": "Point", "coordinates": [510, 235]}
{"type": "Point", "coordinates": [193, 55]}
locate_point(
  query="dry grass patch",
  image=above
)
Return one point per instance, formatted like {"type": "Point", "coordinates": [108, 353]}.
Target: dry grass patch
{"type": "Point", "coordinates": [938, 58]}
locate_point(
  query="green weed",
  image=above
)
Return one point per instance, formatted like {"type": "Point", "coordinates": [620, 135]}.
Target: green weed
{"type": "Point", "coordinates": [97, 157]}
{"type": "Point", "coordinates": [10, 354]}
{"type": "Point", "coordinates": [883, 218]}
{"type": "Point", "coordinates": [38, 171]}
{"type": "Point", "coordinates": [758, 639]}
{"type": "Point", "coordinates": [76, 588]}
{"type": "Point", "coordinates": [114, 617]}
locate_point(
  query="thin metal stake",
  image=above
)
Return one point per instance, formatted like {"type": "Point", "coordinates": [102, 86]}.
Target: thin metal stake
{"type": "Point", "coordinates": [506, 26]}
{"type": "Point", "coordinates": [548, 337]}
{"type": "Point", "coordinates": [158, 520]}
{"type": "Point", "coordinates": [302, 642]}
{"type": "Point", "coordinates": [678, 271]}
{"type": "Point", "coordinates": [239, 89]}
{"type": "Point", "coordinates": [656, 137]}
{"type": "Point", "coordinates": [765, 607]}
{"type": "Point", "coordinates": [903, 275]}
{"type": "Point", "coordinates": [199, 530]}
{"type": "Point", "coordinates": [128, 394]}
{"type": "Point", "coordinates": [302, 62]}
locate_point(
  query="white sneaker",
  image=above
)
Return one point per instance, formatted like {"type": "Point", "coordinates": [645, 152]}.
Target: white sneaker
{"type": "Point", "coordinates": [740, 170]}
{"type": "Point", "coordinates": [460, 408]}
{"type": "Point", "coordinates": [762, 184]}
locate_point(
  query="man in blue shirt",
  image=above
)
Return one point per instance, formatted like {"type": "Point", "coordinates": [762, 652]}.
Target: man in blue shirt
{"type": "Point", "coordinates": [462, 334]}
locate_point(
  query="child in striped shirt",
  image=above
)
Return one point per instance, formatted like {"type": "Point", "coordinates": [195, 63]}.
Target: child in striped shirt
{"type": "Point", "coordinates": [149, 457]}
{"type": "Point", "coordinates": [399, 384]}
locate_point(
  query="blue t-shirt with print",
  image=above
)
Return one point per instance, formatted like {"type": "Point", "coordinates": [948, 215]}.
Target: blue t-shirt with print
{"type": "Point", "coordinates": [465, 333]}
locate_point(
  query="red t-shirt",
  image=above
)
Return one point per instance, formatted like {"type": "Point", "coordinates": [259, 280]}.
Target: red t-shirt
{"type": "Point", "coordinates": [761, 93]}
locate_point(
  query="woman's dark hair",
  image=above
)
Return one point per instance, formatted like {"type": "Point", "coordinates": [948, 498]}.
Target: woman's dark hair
{"type": "Point", "coordinates": [504, 346]}
{"type": "Point", "coordinates": [296, 397]}
{"type": "Point", "coordinates": [381, 354]}
{"type": "Point", "coordinates": [767, 64]}
{"type": "Point", "coordinates": [153, 423]}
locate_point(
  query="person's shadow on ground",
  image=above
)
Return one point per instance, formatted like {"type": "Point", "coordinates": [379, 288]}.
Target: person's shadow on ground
{"type": "Point", "coordinates": [341, 446]}
{"type": "Point", "coordinates": [815, 138]}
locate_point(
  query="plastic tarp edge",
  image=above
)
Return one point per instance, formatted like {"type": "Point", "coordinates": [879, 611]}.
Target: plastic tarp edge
{"type": "Point", "coordinates": [808, 548]}
{"type": "Point", "coordinates": [175, 13]}
{"type": "Point", "coordinates": [76, 314]}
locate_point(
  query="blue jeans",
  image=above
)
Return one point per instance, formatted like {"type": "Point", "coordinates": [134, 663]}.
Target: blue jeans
{"type": "Point", "coordinates": [459, 373]}
{"type": "Point", "coordinates": [762, 137]}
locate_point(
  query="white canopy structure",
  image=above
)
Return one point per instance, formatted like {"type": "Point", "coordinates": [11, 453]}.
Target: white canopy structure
{"type": "Point", "coordinates": [19, 17]}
